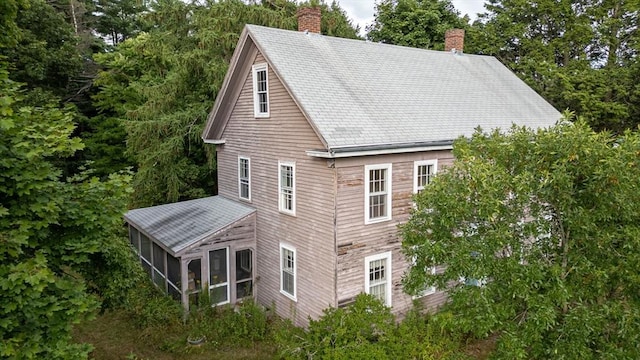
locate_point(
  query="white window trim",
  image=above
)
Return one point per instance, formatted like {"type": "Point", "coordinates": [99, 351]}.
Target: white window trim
{"type": "Point", "coordinates": [293, 197]}
{"type": "Point", "coordinates": [293, 296]}
{"type": "Point", "coordinates": [416, 164]}
{"type": "Point", "coordinates": [367, 263]}
{"type": "Point", "coordinates": [367, 173]}
{"type": "Point", "coordinates": [240, 158]}
{"type": "Point", "coordinates": [256, 100]}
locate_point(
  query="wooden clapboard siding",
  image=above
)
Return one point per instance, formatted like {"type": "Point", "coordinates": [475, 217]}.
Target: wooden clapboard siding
{"type": "Point", "coordinates": [355, 240]}
{"type": "Point", "coordinates": [284, 136]}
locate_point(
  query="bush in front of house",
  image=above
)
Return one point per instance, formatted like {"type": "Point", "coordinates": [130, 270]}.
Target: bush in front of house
{"type": "Point", "coordinates": [368, 330]}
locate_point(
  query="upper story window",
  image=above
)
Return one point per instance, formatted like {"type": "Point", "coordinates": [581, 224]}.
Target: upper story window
{"type": "Point", "coordinates": [260, 90]}
{"type": "Point", "coordinates": [423, 173]}
{"type": "Point", "coordinates": [287, 187]}
{"type": "Point", "coordinates": [377, 198]}
{"type": "Point", "coordinates": [244, 178]}
{"type": "Point", "coordinates": [288, 271]}
{"type": "Point", "coordinates": [377, 276]}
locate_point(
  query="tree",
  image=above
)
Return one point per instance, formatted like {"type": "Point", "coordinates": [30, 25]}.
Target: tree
{"type": "Point", "coordinates": [574, 53]}
{"type": "Point", "coordinates": [415, 23]}
{"type": "Point", "coordinates": [540, 233]}
{"type": "Point", "coordinates": [52, 231]}
{"type": "Point", "coordinates": [162, 83]}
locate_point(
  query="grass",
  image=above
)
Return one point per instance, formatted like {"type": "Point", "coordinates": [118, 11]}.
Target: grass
{"type": "Point", "coordinates": [115, 336]}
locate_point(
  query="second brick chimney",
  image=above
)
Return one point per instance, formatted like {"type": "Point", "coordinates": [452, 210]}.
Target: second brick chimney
{"type": "Point", "coordinates": [454, 39]}
{"type": "Point", "coordinates": [309, 19]}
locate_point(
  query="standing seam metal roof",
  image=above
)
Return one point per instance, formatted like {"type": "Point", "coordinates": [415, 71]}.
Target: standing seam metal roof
{"type": "Point", "coordinates": [358, 93]}
{"type": "Point", "coordinates": [181, 224]}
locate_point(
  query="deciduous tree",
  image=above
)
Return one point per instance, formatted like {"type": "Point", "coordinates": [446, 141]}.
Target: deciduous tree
{"type": "Point", "coordinates": [539, 236]}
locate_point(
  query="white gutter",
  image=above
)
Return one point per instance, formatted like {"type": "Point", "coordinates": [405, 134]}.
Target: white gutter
{"type": "Point", "coordinates": [403, 150]}
{"type": "Point", "coordinates": [214, 142]}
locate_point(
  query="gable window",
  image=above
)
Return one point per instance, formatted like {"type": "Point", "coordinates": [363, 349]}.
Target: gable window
{"type": "Point", "coordinates": [423, 173]}
{"type": "Point", "coordinates": [288, 271]}
{"type": "Point", "coordinates": [377, 277]}
{"type": "Point", "coordinates": [287, 187]}
{"type": "Point", "coordinates": [260, 91]}
{"type": "Point", "coordinates": [244, 178]}
{"type": "Point", "coordinates": [377, 199]}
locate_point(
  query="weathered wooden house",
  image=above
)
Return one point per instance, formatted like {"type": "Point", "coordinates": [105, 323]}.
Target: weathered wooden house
{"type": "Point", "coordinates": [321, 143]}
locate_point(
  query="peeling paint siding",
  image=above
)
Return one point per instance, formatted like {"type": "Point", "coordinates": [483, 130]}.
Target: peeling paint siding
{"type": "Point", "coordinates": [284, 136]}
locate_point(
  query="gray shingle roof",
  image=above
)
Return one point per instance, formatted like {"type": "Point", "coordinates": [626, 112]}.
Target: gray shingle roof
{"type": "Point", "coordinates": [184, 223]}
{"type": "Point", "coordinates": [358, 93]}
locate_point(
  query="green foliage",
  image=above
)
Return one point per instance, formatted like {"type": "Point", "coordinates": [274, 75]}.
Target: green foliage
{"type": "Point", "coordinates": [161, 84]}
{"type": "Point", "coordinates": [366, 329]}
{"type": "Point", "coordinates": [580, 55]}
{"type": "Point", "coordinates": [43, 53]}
{"type": "Point", "coordinates": [415, 23]}
{"type": "Point", "coordinates": [548, 223]}
{"type": "Point", "coordinates": [49, 229]}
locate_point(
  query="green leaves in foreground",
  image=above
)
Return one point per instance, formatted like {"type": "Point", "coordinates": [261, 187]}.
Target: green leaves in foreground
{"type": "Point", "coordinates": [50, 230]}
{"type": "Point", "coordinates": [548, 224]}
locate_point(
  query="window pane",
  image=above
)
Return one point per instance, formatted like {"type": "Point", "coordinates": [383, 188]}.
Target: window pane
{"type": "Point", "coordinates": [158, 258]}
{"type": "Point", "coordinates": [133, 238]}
{"type": "Point", "coordinates": [173, 269]}
{"type": "Point", "coordinates": [244, 289]}
{"type": "Point", "coordinates": [218, 266]}
{"type": "Point", "coordinates": [146, 267]}
{"type": "Point", "coordinates": [288, 278]}
{"type": "Point", "coordinates": [158, 279]}
{"type": "Point", "coordinates": [244, 266]}
{"type": "Point", "coordinates": [145, 247]}
{"type": "Point", "coordinates": [194, 275]}
{"type": "Point", "coordinates": [175, 293]}
{"type": "Point", "coordinates": [219, 294]}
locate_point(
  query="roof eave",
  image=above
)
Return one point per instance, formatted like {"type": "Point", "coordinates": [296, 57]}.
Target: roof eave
{"type": "Point", "coordinates": [380, 149]}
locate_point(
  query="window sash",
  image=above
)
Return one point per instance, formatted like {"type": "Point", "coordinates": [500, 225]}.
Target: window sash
{"type": "Point", "coordinates": [378, 277]}
{"type": "Point", "coordinates": [244, 179]}
{"type": "Point", "coordinates": [424, 172]}
{"type": "Point", "coordinates": [286, 185]}
{"type": "Point", "coordinates": [377, 193]}
{"type": "Point", "coordinates": [261, 90]}
{"type": "Point", "coordinates": [288, 271]}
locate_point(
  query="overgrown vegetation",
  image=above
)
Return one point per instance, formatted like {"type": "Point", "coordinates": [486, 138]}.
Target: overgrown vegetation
{"type": "Point", "coordinates": [546, 223]}
{"type": "Point", "coordinates": [151, 326]}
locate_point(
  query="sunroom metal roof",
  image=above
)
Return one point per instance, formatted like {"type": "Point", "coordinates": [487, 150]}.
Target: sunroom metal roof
{"type": "Point", "coordinates": [177, 226]}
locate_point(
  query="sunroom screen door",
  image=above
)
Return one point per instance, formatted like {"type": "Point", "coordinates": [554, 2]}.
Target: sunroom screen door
{"type": "Point", "coordinates": [219, 276]}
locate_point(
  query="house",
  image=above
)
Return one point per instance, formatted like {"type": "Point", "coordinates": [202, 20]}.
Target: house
{"type": "Point", "coordinates": [321, 143]}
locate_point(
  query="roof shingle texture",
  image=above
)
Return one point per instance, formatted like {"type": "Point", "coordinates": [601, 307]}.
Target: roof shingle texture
{"type": "Point", "coordinates": [184, 223]}
{"type": "Point", "coordinates": [359, 93]}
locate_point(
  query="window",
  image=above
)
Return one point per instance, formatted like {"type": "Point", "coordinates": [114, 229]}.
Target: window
{"type": "Point", "coordinates": [287, 187]}
{"type": "Point", "coordinates": [430, 290]}
{"type": "Point", "coordinates": [244, 273]}
{"type": "Point", "coordinates": [244, 178]}
{"type": "Point", "coordinates": [377, 276]}
{"type": "Point", "coordinates": [288, 271]}
{"type": "Point", "coordinates": [377, 199]}
{"type": "Point", "coordinates": [260, 91]}
{"type": "Point", "coordinates": [423, 172]}
{"type": "Point", "coordinates": [133, 238]}
{"type": "Point", "coordinates": [218, 276]}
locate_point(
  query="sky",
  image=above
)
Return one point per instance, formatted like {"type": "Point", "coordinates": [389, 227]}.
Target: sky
{"type": "Point", "coordinates": [361, 11]}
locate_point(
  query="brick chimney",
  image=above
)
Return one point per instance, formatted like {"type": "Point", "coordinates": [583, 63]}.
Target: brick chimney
{"type": "Point", "coordinates": [309, 19]}
{"type": "Point", "coordinates": [454, 39]}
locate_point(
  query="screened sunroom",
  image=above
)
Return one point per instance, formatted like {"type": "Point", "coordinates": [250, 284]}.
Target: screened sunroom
{"type": "Point", "coordinates": [198, 245]}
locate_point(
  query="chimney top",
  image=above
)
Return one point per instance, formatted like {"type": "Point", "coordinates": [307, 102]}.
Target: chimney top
{"type": "Point", "coordinates": [454, 40]}
{"type": "Point", "coordinates": [309, 19]}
